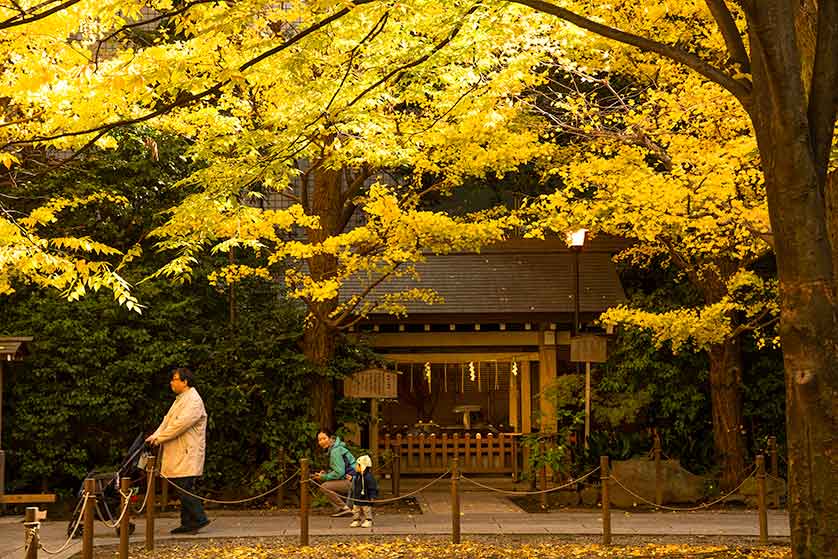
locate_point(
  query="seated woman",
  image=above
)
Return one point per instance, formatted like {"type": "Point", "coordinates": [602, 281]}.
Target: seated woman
{"type": "Point", "coordinates": [337, 481]}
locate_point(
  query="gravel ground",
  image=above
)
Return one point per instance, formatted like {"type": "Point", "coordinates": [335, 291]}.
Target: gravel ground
{"type": "Point", "coordinates": [473, 547]}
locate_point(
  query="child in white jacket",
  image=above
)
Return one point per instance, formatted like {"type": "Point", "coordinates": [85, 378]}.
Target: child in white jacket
{"type": "Point", "coordinates": [363, 492]}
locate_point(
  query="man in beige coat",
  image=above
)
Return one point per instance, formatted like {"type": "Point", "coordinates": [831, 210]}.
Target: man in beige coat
{"type": "Point", "coordinates": [183, 434]}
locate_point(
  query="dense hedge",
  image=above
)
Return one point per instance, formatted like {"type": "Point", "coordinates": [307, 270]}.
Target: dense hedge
{"type": "Point", "coordinates": [98, 374]}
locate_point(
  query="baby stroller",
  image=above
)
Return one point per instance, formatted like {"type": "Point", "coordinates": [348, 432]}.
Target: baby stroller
{"type": "Point", "coordinates": [108, 500]}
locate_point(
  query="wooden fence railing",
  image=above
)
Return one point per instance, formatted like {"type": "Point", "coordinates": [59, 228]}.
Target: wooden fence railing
{"type": "Point", "coordinates": [431, 454]}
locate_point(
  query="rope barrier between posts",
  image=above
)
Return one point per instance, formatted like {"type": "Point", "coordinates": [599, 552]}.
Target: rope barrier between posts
{"type": "Point", "coordinates": [121, 514]}
{"type": "Point", "coordinates": [69, 541]}
{"type": "Point", "coordinates": [391, 500]}
{"type": "Point", "coordinates": [150, 479]}
{"type": "Point", "coordinates": [524, 493]}
{"type": "Point", "coordinates": [237, 502]}
{"type": "Point", "coordinates": [683, 509]}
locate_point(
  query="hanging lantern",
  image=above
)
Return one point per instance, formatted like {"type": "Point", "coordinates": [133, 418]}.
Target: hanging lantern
{"type": "Point", "coordinates": [428, 374]}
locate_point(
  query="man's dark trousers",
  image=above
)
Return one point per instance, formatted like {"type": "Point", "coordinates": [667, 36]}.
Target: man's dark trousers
{"type": "Point", "coordinates": [192, 512]}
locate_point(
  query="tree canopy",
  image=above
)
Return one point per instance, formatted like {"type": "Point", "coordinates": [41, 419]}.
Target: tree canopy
{"type": "Point", "coordinates": [351, 89]}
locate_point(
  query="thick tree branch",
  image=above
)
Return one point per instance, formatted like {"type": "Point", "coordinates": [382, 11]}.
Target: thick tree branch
{"type": "Point", "coordinates": [374, 32]}
{"type": "Point", "coordinates": [353, 186]}
{"type": "Point", "coordinates": [753, 325]}
{"type": "Point", "coordinates": [823, 97]}
{"type": "Point", "coordinates": [356, 299]}
{"type": "Point", "coordinates": [733, 39]}
{"type": "Point", "coordinates": [681, 261]}
{"type": "Point", "coordinates": [776, 62]}
{"type": "Point", "coordinates": [401, 70]}
{"type": "Point", "coordinates": [22, 19]}
{"type": "Point", "coordinates": [189, 98]}
{"type": "Point", "coordinates": [313, 309]}
{"type": "Point", "coordinates": [303, 34]}
{"type": "Point", "coordinates": [448, 111]}
{"type": "Point", "coordinates": [740, 90]}
{"type": "Point", "coordinates": [352, 190]}
{"type": "Point", "coordinates": [142, 22]}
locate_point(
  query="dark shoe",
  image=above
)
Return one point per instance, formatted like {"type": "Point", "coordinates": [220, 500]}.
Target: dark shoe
{"type": "Point", "coordinates": [345, 511]}
{"type": "Point", "coordinates": [189, 529]}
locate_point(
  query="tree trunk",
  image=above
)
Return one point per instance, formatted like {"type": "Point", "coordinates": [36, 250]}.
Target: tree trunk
{"type": "Point", "coordinates": [318, 348]}
{"type": "Point", "coordinates": [325, 200]}
{"type": "Point", "coordinates": [726, 399]}
{"type": "Point", "coordinates": [794, 129]}
{"type": "Point", "coordinates": [807, 330]}
{"type": "Point", "coordinates": [807, 326]}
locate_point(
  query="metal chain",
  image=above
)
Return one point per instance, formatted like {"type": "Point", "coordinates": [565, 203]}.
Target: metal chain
{"type": "Point", "coordinates": [69, 541]}
{"type": "Point", "coordinates": [684, 509]}
{"type": "Point", "coordinates": [524, 493]}
{"type": "Point", "coordinates": [118, 521]}
{"type": "Point", "coordinates": [391, 500]}
{"type": "Point", "coordinates": [238, 502]}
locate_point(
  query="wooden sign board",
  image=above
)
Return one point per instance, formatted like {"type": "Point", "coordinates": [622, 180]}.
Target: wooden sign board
{"type": "Point", "coordinates": [588, 349]}
{"type": "Point", "coordinates": [372, 383]}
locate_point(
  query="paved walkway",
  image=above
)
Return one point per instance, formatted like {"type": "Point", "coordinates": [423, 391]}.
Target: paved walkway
{"type": "Point", "coordinates": [482, 513]}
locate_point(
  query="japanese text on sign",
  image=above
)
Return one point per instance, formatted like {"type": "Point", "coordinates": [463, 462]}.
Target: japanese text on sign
{"type": "Point", "coordinates": [371, 383]}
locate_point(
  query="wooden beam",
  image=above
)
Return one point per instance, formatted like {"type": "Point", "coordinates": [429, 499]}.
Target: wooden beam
{"type": "Point", "coordinates": [459, 357]}
{"type": "Point", "coordinates": [526, 397]}
{"type": "Point", "coordinates": [514, 398]}
{"type": "Point", "coordinates": [32, 498]}
{"type": "Point", "coordinates": [451, 339]}
{"type": "Point", "coordinates": [374, 429]}
{"type": "Point", "coordinates": [547, 371]}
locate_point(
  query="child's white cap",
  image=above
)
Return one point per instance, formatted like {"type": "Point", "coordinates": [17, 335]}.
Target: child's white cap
{"type": "Point", "coordinates": [364, 461]}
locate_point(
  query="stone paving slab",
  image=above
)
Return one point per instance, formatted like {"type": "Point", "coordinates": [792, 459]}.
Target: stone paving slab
{"type": "Point", "coordinates": [436, 502]}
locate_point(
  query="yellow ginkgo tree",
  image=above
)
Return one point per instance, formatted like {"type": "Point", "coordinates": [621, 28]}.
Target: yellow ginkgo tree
{"type": "Point", "coordinates": [778, 59]}
{"type": "Point", "coordinates": [424, 69]}
{"type": "Point", "coordinates": [674, 169]}
{"type": "Point", "coordinates": [322, 125]}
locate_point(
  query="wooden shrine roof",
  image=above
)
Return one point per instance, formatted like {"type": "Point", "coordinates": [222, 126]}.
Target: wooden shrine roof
{"type": "Point", "coordinates": [515, 280]}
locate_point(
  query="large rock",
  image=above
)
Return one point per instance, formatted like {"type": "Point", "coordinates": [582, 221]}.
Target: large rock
{"type": "Point", "coordinates": [590, 496]}
{"type": "Point", "coordinates": [638, 475]}
{"type": "Point", "coordinates": [775, 490]}
{"type": "Point", "coordinates": [564, 498]}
